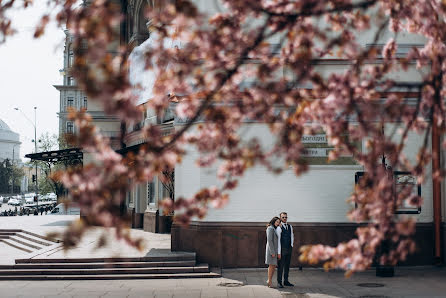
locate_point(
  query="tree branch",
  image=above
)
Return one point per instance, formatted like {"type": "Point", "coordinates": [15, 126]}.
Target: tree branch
{"type": "Point", "coordinates": [308, 13]}
{"type": "Point", "coordinates": [207, 100]}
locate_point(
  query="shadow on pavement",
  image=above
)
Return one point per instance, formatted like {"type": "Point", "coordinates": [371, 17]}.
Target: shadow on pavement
{"type": "Point", "coordinates": [61, 223]}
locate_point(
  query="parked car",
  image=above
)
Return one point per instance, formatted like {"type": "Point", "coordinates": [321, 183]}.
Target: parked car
{"type": "Point", "coordinates": [29, 198]}
{"type": "Point", "coordinates": [14, 202]}
{"type": "Point", "coordinates": [51, 196]}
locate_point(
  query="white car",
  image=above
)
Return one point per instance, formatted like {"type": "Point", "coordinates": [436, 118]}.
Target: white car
{"type": "Point", "coordinates": [14, 202]}
{"type": "Point", "coordinates": [29, 200]}
{"type": "Point", "coordinates": [51, 196]}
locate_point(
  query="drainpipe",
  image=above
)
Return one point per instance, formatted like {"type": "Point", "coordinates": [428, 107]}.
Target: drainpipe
{"type": "Point", "coordinates": [436, 183]}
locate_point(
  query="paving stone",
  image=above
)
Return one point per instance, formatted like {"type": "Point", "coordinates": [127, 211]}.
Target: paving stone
{"type": "Point", "coordinates": [214, 292]}
{"type": "Point", "coordinates": [187, 294]}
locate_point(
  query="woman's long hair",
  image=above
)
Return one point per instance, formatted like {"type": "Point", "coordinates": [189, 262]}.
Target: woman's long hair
{"type": "Point", "coordinates": [272, 221]}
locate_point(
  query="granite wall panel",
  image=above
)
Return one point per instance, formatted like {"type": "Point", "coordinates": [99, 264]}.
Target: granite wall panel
{"type": "Point", "coordinates": [242, 245]}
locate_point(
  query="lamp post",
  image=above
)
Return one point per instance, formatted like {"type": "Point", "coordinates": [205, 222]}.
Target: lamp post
{"type": "Point", "coordinates": [12, 162]}
{"type": "Point", "coordinates": [35, 143]}
{"type": "Point", "coordinates": [385, 270]}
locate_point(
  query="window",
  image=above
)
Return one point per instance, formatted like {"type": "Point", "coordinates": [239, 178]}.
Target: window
{"type": "Point", "coordinates": [85, 104]}
{"type": "Point", "coordinates": [71, 81]}
{"type": "Point", "coordinates": [150, 192]}
{"type": "Point", "coordinates": [70, 102]}
{"type": "Point", "coordinates": [70, 127]}
{"type": "Point", "coordinates": [129, 195]}
{"type": "Point", "coordinates": [70, 58]}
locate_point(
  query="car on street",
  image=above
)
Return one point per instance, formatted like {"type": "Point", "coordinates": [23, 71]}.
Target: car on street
{"type": "Point", "coordinates": [29, 198]}
{"type": "Point", "coordinates": [51, 196]}
{"type": "Point", "coordinates": [14, 202]}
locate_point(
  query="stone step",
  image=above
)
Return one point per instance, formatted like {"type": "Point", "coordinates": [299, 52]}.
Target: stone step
{"type": "Point", "coordinates": [7, 233]}
{"type": "Point", "coordinates": [16, 245]}
{"type": "Point", "coordinates": [10, 230]}
{"type": "Point", "coordinates": [107, 271]}
{"type": "Point", "coordinates": [35, 239]}
{"type": "Point", "coordinates": [110, 276]}
{"type": "Point", "coordinates": [52, 240]}
{"type": "Point", "coordinates": [23, 242]}
{"type": "Point", "coordinates": [165, 258]}
{"type": "Point", "coordinates": [99, 265]}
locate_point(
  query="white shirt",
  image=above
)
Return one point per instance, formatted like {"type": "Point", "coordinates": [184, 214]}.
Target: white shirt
{"type": "Point", "coordinates": [279, 232]}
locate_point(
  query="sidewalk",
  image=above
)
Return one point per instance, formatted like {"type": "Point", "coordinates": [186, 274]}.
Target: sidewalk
{"type": "Point", "coordinates": [408, 282]}
{"type": "Point", "coordinates": [86, 248]}
{"type": "Point", "coordinates": [309, 283]}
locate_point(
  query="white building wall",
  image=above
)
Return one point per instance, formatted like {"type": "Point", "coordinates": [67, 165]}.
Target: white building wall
{"type": "Point", "coordinates": [8, 148]}
{"type": "Point", "coordinates": [187, 176]}
{"type": "Point", "coordinates": [317, 196]}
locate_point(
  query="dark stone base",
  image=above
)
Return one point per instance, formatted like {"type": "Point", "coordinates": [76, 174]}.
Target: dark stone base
{"type": "Point", "coordinates": [137, 219]}
{"type": "Point", "coordinates": [151, 222]}
{"type": "Point", "coordinates": [155, 223]}
{"type": "Point", "coordinates": [442, 260]}
{"type": "Point", "coordinates": [385, 271]}
{"type": "Point", "coordinates": [232, 245]}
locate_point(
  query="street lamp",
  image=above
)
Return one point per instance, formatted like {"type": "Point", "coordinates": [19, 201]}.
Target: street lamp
{"type": "Point", "coordinates": [13, 157]}
{"type": "Point", "coordinates": [35, 142]}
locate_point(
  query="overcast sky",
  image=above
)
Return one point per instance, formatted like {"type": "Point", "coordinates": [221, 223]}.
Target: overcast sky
{"type": "Point", "coordinates": [28, 70]}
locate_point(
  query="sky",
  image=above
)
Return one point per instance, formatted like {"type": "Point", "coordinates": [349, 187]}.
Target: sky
{"type": "Point", "coordinates": [28, 70]}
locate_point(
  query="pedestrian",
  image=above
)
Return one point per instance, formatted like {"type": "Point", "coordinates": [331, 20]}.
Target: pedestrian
{"type": "Point", "coordinates": [272, 248]}
{"type": "Point", "coordinates": [286, 240]}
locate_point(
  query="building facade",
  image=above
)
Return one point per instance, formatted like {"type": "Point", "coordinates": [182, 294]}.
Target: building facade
{"type": "Point", "coordinates": [9, 143]}
{"type": "Point", "coordinates": [72, 97]}
{"type": "Point", "coordinates": [10, 150]}
{"type": "Point", "coordinates": [315, 202]}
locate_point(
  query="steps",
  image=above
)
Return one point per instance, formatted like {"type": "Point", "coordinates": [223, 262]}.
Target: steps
{"type": "Point", "coordinates": [169, 265]}
{"type": "Point", "coordinates": [25, 241]}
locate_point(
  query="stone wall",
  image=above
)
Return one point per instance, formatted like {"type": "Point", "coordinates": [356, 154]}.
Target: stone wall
{"type": "Point", "coordinates": [232, 245]}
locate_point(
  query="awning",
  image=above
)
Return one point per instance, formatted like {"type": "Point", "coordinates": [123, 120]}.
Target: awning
{"type": "Point", "coordinates": [72, 155]}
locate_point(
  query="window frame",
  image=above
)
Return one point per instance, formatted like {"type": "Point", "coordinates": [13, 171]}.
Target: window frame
{"type": "Point", "coordinates": [69, 126]}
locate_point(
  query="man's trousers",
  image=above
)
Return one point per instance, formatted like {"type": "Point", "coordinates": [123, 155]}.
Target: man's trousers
{"type": "Point", "coordinates": [284, 265]}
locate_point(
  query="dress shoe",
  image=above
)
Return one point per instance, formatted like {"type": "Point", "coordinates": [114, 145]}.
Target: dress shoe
{"type": "Point", "coordinates": [279, 285]}
{"type": "Point", "coordinates": [288, 284]}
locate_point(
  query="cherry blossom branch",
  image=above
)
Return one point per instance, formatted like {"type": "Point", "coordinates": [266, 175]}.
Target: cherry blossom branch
{"type": "Point", "coordinates": [314, 12]}
{"type": "Point", "coordinates": [208, 98]}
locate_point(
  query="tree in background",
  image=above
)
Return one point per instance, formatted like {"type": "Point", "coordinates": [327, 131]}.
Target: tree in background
{"type": "Point", "coordinates": [10, 173]}
{"type": "Point", "coordinates": [49, 182]}
{"type": "Point", "coordinates": [217, 54]}
{"type": "Point", "coordinates": [167, 178]}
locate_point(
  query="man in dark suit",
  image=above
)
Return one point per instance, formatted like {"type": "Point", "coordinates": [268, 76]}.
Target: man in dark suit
{"type": "Point", "coordinates": [286, 242]}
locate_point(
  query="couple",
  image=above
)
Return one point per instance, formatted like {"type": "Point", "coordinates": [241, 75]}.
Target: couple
{"type": "Point", "coordinates": [279, 247]}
